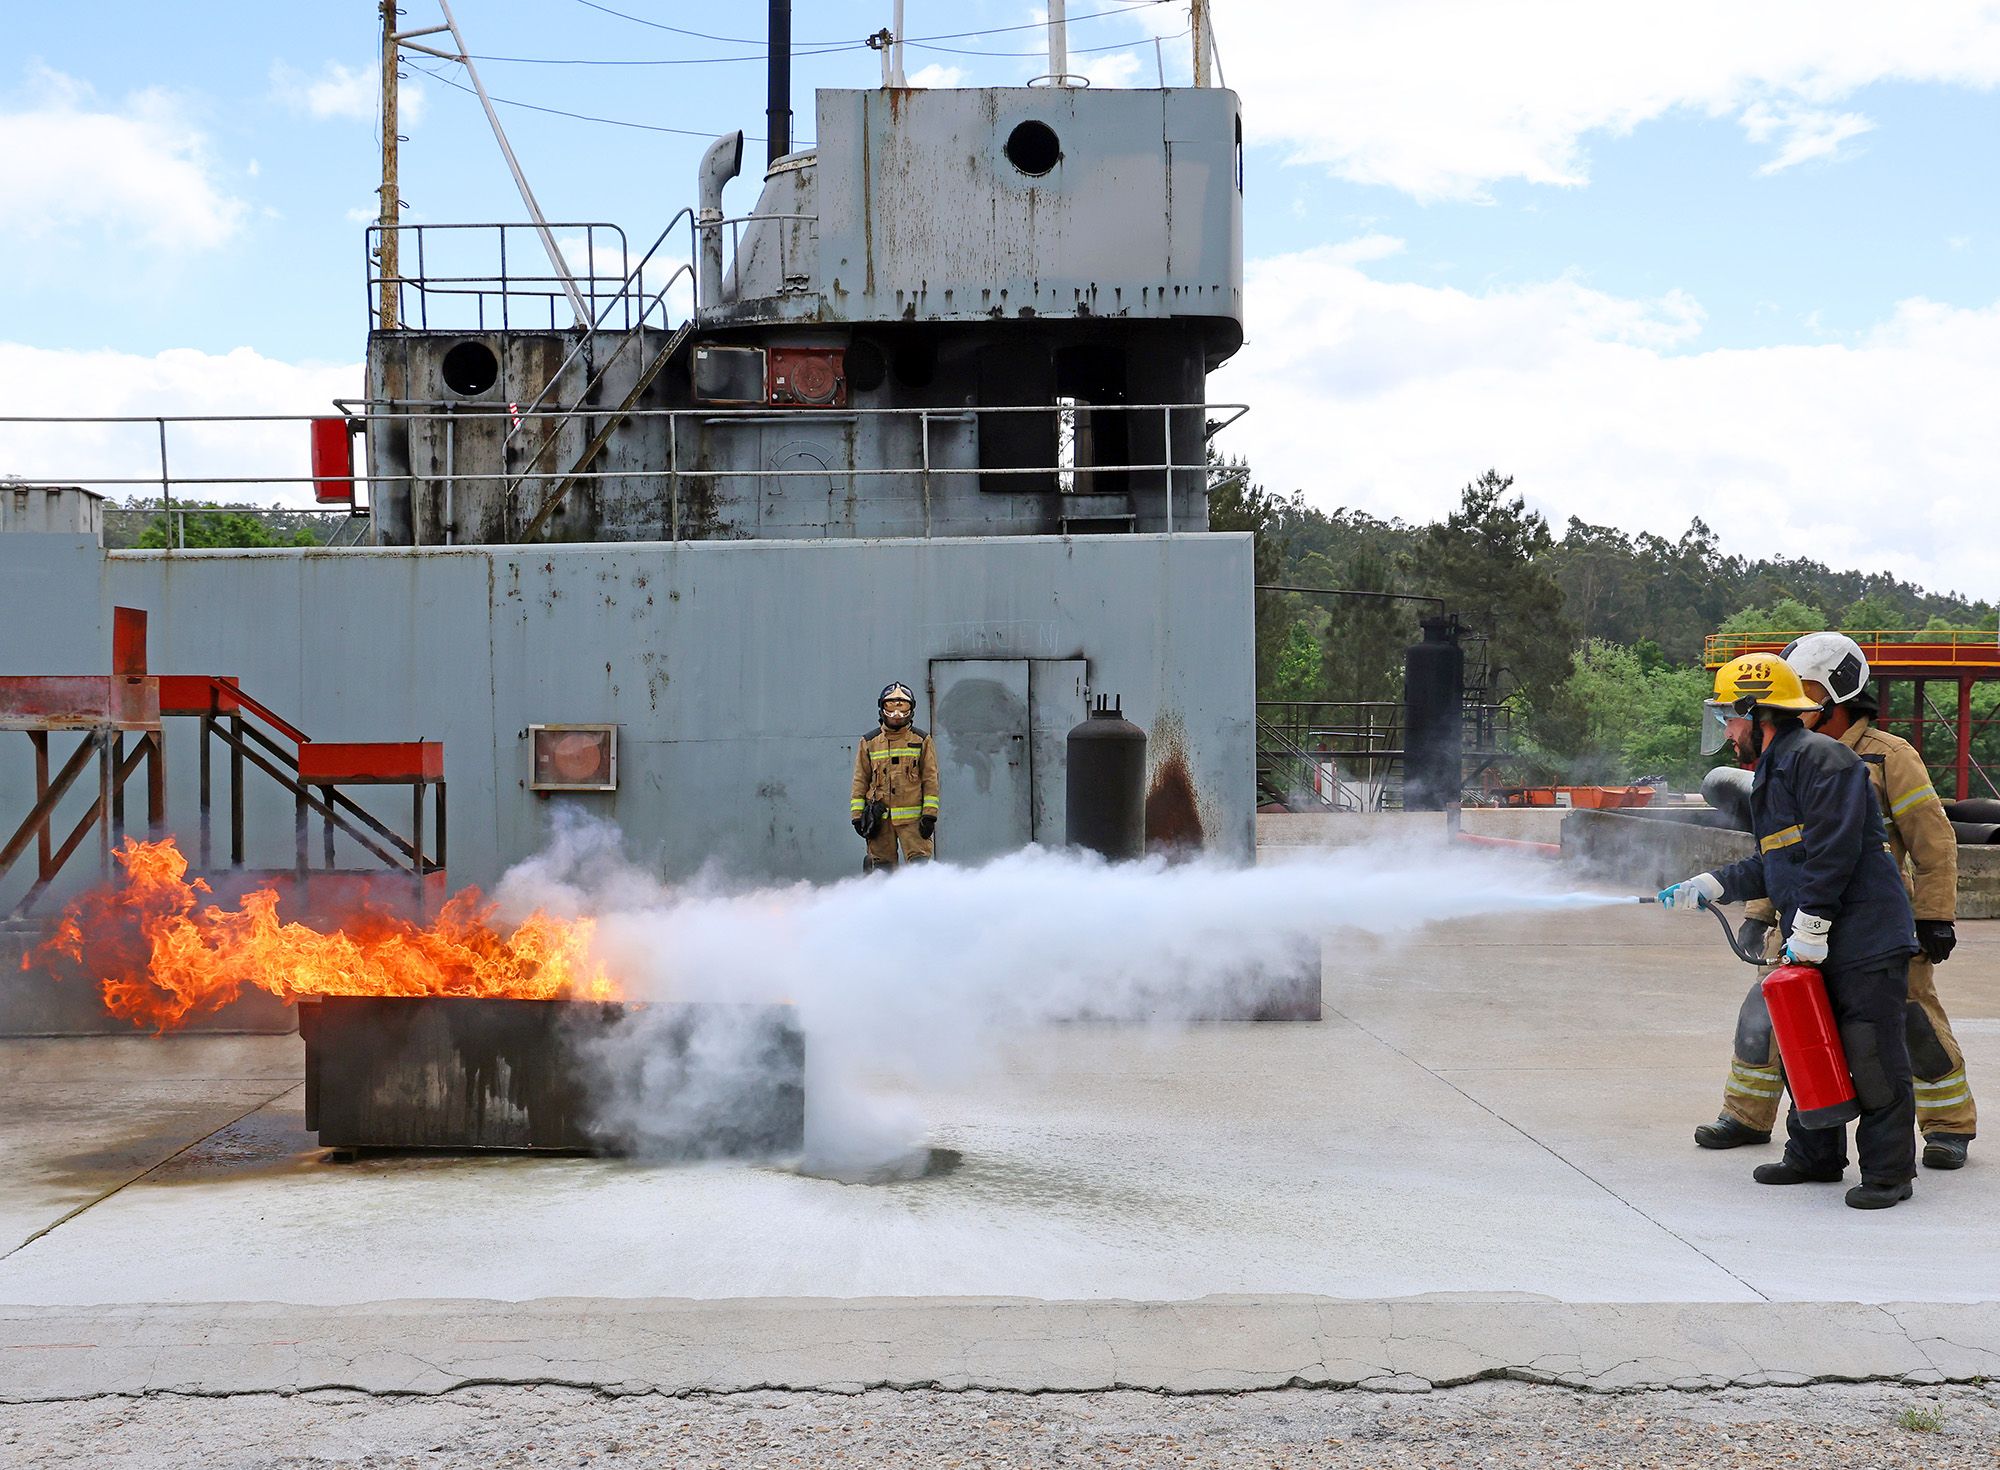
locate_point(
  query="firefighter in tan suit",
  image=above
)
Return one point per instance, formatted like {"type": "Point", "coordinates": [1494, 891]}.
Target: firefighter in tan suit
{"type": "Point", "coordinates": [895, 797]}
{"type": "Point", "coordinates": [1832, 668]}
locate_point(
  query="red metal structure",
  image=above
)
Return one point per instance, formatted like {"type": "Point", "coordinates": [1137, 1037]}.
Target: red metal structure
{"type": "Point", "coordinates": [1959, 657]}
{"type": "Point", "coordinates": [106, 709]}
{"type": "Point", "coordinates": [103, 709]}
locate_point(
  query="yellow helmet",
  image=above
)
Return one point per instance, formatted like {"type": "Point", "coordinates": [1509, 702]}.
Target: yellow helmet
{"type": "Point", "coordinates": [1743, 685]}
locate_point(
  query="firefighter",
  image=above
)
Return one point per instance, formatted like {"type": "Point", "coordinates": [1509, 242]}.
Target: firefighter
{"type": "Point", "coordinates": [894, 802]}
{"type": "Point", "coordinates": [1834, 671]}
{"type": "Point", "coordinates": [1823, 859]}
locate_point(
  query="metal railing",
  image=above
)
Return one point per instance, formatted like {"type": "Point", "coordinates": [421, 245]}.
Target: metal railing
{"type": "Point", "coordinates": [498, 295]}
{"type": "Point", "coordinates": [1352, 750]}
{"type": "Point", "coordinates": [153, 442]}
{"type": "Point", "coordinates": [1978, 647]}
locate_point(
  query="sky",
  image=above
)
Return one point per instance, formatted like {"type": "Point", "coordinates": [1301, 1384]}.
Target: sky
{"type": "Point", "coordinates": [1721, 260]}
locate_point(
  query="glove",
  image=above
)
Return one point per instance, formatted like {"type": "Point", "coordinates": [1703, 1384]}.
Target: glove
{"type": "Point", "coordinates": [861, 824]}
{"type": "Point", "coordinates": [927, 824]}
{"type": "Point", "coordinates": [1693, 893]}
{"type": "Point", "coordinates": [1752, 935]}
{"type": "Point", "coordinates": [1810, 936]}
{"type": "Point", "coordinates": [1936, 938]}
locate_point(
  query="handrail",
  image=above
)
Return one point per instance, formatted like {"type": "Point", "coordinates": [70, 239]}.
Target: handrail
{"type": "Point", "coordinates": [1719, 648]}
{"type": "Point", "coordinates": [636, 273]}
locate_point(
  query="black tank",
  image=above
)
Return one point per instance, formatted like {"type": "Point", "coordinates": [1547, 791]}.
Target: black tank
{"type": "Point", "coordinates": [1106, 799]}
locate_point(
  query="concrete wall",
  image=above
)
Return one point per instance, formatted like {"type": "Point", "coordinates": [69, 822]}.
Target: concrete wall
{"type": "Point", "coordinates": [740, 674]}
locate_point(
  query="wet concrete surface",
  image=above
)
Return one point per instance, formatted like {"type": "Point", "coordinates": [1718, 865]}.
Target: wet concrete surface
{"type": "Point", "coordinates": [1487, 1108]}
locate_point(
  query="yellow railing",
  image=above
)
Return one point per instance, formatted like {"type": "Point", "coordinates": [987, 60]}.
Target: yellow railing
{"type": "Point", "coordinates": [1888, 648]}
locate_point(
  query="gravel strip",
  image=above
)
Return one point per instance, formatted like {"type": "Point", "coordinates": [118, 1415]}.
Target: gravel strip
{"type": "Point", "coordinates": [1492, 1424]}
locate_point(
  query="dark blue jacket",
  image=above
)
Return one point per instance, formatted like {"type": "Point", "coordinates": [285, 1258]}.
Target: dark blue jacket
{"type": "Point", "coordinates": [1821, 848]}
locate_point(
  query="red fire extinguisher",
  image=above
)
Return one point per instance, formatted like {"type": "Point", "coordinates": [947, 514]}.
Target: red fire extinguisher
{"type": "Point", "coordinates": [1809, 1043]}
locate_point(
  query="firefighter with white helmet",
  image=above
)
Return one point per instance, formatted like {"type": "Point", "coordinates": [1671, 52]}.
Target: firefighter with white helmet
{"type": "Point", "coordinates": [1833, 669]}
{"type": "Point", "coordinates": [894, 801]}
{"type": "Point", "coordinates": [1823, 859]}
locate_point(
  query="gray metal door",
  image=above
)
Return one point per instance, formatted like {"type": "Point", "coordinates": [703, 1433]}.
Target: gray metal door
{"type": "Point", "coordinates": [1058, 700]}
{"type": "Point", "coordinates": [979, 718]}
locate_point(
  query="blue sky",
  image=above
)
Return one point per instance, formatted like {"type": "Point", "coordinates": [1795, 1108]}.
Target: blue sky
{"type": "Point", "coordinates": [1657, 261]}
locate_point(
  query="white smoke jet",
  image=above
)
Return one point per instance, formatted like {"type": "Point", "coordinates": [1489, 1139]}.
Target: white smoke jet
{"type": "Point", "coordinates": [923, 972]}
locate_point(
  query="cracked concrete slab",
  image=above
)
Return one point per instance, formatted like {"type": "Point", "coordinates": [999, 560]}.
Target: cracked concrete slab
{"type": "Point", "coordinates": [1216, 1346]}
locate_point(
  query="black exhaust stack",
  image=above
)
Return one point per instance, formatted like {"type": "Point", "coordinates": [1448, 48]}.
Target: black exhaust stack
{"type": "Point", "coordinates": [778, 105]}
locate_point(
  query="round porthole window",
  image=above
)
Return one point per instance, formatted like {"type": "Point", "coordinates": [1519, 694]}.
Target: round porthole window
{"type": "Point", "coordinates": [1033, 148]}
{"type": "Point", "coordinates": [469, 369]}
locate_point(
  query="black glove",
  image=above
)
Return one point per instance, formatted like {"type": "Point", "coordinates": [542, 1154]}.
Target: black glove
{"type": "Point", "coordinates": [1752, 934]}
{"type": "Point", "coordinates": [861, 824]}
{"type": "Point", "coordinates": [927, 824]}
{"type": "Point", "coordinates": [1936, 938]}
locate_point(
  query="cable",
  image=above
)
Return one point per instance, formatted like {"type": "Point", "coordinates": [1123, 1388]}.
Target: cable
{"type": "Point", "coordinates": [616, 122]}
{"type": "Point", "coordinates": [1034, 25]}
{"type": "Point", "coordinates": [1073, 51]}
{"type": "Point", "coordinates": [664, 61]}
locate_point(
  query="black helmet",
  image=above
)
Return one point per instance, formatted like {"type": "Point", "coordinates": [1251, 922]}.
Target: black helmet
{"type": "Point", "coordinates": [894, 691]}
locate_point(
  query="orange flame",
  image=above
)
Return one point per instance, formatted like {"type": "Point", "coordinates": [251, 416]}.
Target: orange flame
{"type": "Point", "coordinates": [160, 955]}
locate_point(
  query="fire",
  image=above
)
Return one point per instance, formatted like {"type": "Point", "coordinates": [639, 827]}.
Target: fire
{"type": "Point", "coordinates": [161, 954]}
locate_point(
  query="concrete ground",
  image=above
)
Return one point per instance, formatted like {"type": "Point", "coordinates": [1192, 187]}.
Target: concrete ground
{"type": "Point", "coordinates": [1477, 1166]}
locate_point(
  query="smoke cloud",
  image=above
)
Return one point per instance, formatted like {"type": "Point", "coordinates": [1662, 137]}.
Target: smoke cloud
{"type": "Point", "coordinates": [920, 975]}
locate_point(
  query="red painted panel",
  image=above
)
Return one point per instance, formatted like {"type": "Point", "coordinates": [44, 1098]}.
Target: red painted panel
{"type": "Point", "coordinates": [371, 760]}
{"type": "Point", "coordinates": [332, 462]}
{"type": "Point", "coordinates": [188, 694]}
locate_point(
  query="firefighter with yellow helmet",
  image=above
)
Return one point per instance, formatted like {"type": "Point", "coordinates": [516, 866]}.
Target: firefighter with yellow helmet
{"type": "Point", "coordinates": [1833, 670]}
{"type": "Point", "coordinates": [1823, 860]}
{"type": "Point", "coordinates": [894, 801]}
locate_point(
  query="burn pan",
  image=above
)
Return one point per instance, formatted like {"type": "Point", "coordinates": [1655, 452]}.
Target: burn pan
{"type": "Point", "coordinates": [457, 1072]}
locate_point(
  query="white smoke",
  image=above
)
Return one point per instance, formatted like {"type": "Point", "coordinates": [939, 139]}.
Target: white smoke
{"type": "Point", "coordinates": [921, 974]}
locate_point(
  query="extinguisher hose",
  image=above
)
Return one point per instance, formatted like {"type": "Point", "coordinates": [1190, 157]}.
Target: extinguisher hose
{"type": "Point", "coordinates": [1749, 957]}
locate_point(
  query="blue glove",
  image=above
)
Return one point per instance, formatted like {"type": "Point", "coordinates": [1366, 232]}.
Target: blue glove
{"type": "Point", "coordinates": [1691, 894]}
{"type": "Point", "coordinates": [1809, 939]}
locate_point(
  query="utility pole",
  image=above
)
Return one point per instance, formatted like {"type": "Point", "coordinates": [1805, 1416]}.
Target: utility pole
{"type": "Point", "coordinates": [1200, 26]}
{"type": "Point", "coordinates": [386, 253]}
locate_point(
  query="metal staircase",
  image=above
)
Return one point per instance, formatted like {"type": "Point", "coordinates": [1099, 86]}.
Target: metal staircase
{"type": "Point", "coordinates": [614, 420]}
{"type": "Point", "coordinates": [1289, 773]}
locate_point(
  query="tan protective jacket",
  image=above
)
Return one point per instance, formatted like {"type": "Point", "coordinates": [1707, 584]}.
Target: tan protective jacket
{"type": "Point", "coordinates": [1914, 818]}
{"type": "Point", "coordinates": [1918, 828]}
{"type": "Point", "coordinates": [898, 767]}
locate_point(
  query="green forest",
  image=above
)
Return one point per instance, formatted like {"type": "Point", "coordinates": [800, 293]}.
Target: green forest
{"type": "Point", "coordinates": [1589, 640]}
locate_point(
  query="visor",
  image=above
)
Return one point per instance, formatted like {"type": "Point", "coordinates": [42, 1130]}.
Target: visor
{"type": "Point", "coordinates": [1715, 718]}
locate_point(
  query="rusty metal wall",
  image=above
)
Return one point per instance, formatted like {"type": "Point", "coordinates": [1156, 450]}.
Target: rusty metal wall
{"type": "Point", "coordinates": [740, 674]}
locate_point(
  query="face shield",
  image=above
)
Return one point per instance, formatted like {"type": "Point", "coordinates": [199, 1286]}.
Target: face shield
{"type": "Point", "coordinates": [1715, 717]}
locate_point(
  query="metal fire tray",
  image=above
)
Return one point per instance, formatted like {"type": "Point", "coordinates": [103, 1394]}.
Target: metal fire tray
{"type": "Point", "coordinates": [453, 1072]}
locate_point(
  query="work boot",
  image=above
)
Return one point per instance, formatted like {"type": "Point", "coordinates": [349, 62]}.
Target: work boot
{"type": "Point", "coordinates": [1866, 1196]}
{"type": "Point", "coordinates": [1786, 1172]}
{"type": "Point", "coordinates": [1728, 1132]}
{"type": "Point", "coordinates": [1945, 1150]}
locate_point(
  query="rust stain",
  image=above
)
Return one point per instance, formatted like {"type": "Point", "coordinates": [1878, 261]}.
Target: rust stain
{"type": "Point", "coordinates": [1173, 808]}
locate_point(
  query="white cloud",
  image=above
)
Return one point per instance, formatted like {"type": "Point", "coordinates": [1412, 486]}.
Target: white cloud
{"type": "Point", "coordinates": [937, 74]}
{"type": "Point", "coordinates": [1872, 452]}
{"type": "Point", "coordinates": [1801, 133]}
{"type": "Point", "coordinates": [353, 93]}
{"type": "Point", "coordinates": [1441, 98]}
{"type": "Point", "coordinates": [138, 173]}
{"type": "Point", "coordinates": [35, 380]}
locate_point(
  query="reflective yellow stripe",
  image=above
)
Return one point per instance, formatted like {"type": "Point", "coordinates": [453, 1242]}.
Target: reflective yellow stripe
{"type": "Point", "coordinates": [903, 813]}
{"type": "Point", "coordinates": [1949, 1080]}
{"type": "Point", "coordinates": [931, 802]}
{"type": "Point", "coordinates": [1784, 838]}
{"type": "Point", "coordinates": [1754, 1081]}
{"type": "Point", "coordinates": [1913, 797]}
{"type": "Point", "coordinates": [1940, 1104]}
{"type": "Point", "coordinates": [856, 804]}
{"type": "Point", "coordinates": [889, 755]}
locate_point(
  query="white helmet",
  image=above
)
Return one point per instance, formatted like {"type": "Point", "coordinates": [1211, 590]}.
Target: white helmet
{"type": "Point", "coordinates": [1830, 659]}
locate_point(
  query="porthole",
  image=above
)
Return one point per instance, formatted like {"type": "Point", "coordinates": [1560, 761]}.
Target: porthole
{"type": "Point", "coordinates": [469, 369]}
{"type": "Point", "coordinates": [1033, 148]}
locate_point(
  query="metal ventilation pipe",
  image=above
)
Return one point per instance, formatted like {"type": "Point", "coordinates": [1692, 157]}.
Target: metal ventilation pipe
{"type": "Point", "coordinates": [721, 163]}
{"type": "Point", "coordinates": [778, 103]}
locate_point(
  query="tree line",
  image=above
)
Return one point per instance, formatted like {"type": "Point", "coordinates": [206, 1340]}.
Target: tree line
{"type": "Point", "coordinates": [1590, 641]}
